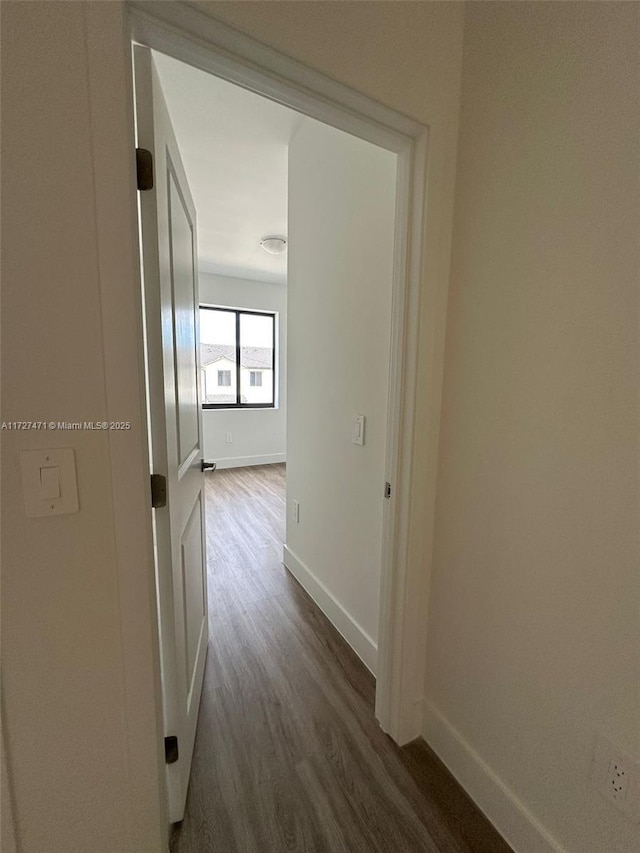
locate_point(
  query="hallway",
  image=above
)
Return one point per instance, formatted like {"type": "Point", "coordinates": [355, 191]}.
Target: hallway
{"type": "Point", "coordinates": [288, 755]}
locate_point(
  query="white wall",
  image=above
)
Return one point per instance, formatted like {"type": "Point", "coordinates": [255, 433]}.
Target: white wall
{"type": "Point", "coordinates": [341, 233]}
{"type": "Point", "coordinates": [258, 435]}
{"type": "Point", "coordinates": [533, 644]}
{"type": "Point", "coordinates": [82, 734]}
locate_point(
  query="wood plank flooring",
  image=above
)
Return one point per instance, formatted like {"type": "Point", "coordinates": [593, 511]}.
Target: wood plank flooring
{"type": "Point", "coordinates": [288, 755]}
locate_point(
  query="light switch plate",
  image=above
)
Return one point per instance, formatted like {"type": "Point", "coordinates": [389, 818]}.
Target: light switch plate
{"type": "Point", "coordinates": [358, 430]}
{"type": "Point", "coordinates": [35, 503]}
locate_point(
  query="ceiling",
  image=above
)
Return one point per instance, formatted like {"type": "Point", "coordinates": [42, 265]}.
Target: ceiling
{"type": "Point", "coordinates": [234, 148]}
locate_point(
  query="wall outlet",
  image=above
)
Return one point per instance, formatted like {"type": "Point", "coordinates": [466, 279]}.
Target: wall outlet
{"type": "Point", "coordinates": [618, 780]}
{"type": "Point", "coordinates": [616, 775]}
{"type": "Point", "coordinates": [228, 438]}
{"type": "Point", "coordinates": [295, 511]}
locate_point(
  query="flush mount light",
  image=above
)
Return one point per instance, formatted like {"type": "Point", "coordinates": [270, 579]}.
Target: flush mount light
{"type": "Point", "coordinates": [274, 245]}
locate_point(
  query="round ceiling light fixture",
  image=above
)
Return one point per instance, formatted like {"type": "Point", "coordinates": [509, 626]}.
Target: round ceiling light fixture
{"type": "Point", "coordinates": [274, 245]}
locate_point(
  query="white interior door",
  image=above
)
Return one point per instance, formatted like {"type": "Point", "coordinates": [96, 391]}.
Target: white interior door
{"type": "Point", "coordinates": [172, 342]}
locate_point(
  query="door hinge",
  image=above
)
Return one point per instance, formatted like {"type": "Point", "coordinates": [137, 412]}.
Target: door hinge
{"type": "Point", "coordinates": [387, 490]}
{"type": "Point", "coordinates": [158, 491]}
{"type": "Point", "coordinates": [171, 749]}
{"type": "Point", "coordinates": [144, 169]}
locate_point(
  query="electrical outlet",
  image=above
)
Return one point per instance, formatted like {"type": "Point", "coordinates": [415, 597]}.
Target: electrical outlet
{"type": "Point", "coordinates": [295, 511]}
{"type": "Point", "coordinates": [228, 438]}
{"type": "Point", "coordinates": [617, 780]}
{"type": "Point", "coordinates": [616, 775]}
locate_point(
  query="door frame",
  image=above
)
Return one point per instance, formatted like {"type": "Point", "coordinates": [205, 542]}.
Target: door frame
{"type": "Point", "coordinates": [189, 35]}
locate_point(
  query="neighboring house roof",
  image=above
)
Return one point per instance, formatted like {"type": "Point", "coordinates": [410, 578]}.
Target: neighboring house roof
{"type": "Point", "coordinates": [251, 357]}
{"type": "Point", "coordinates": [214, 352]}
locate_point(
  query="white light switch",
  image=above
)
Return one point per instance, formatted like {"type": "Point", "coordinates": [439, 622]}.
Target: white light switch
{"type": "Point", "coordinates": [358, 430]}
{"type": "Point", "coordinates": [49, 482]}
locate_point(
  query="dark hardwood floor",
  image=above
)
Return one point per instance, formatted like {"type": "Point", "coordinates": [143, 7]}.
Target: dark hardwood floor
{"type": "Point", "coordinates": [288, 755]}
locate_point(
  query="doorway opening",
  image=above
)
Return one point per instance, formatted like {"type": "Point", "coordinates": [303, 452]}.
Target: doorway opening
{"type": "Point", "coordinates": [297, 345]}
{"type": "Point", "coordinates": [226, 54]}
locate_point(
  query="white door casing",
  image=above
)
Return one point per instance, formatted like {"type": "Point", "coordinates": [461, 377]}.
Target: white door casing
{"type": "Point", "coordinates": [170, 283]}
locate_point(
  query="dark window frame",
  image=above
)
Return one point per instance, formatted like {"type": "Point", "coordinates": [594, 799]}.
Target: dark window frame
{"type": "Point", "coordinates": [238, 312]}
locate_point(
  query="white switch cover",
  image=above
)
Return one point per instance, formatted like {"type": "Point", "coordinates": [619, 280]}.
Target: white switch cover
{"type": "Point", "coordinates": [358, 430]}
{"type": "Point", "coordinates": [49, 482]}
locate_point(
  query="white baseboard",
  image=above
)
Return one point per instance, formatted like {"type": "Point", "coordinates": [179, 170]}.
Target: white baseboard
{"type": "Point", "coordinates": [506, 812]}
{"type": "Point", "coordinates": [245, 461]}
{"type": "Point", "coordinates": [358, 639]}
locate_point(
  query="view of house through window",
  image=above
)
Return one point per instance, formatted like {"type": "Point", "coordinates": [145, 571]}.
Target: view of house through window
{"type": "Point", "coordinates": [237, 358]}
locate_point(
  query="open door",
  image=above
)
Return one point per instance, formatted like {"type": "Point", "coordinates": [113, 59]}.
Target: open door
{"type": "Point", "coordinates": [169, 256]}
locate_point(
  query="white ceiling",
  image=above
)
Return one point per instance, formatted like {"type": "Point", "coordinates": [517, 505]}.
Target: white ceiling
{"type": "Point", "coordinates": [234, 149]}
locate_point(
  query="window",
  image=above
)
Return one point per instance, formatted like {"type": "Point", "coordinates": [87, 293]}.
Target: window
{"type": "Point", "coordinates": [237, 353]}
